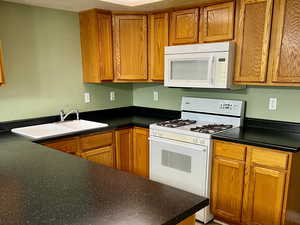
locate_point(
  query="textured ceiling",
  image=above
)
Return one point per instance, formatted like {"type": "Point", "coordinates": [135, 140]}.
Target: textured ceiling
{"type": "Point", "coordinates": [79, 5]}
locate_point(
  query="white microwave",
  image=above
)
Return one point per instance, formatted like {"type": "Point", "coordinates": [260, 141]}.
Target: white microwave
{"type": "Point", "coordinates": [200, 65]}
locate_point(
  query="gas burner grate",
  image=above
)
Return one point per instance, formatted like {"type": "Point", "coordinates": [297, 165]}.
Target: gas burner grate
{"type": "Point", "coordinates": [176, 123]}
{"type": "Point", "coordinates": [211, 128]}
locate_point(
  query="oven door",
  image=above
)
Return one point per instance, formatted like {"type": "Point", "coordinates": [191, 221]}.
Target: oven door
{"type": "Point", "coordinates": [178, 164]}
{"type": "Point", "coordinates": [189, 70]}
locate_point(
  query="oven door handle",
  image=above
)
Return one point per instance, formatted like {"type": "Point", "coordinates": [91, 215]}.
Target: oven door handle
{"type": "Point", "coordinates": [178, 143]}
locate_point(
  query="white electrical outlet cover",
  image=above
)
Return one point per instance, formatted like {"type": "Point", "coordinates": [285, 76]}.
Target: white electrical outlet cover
{"type": "Point", "coordinates": [112, 96]}
{"type": "Point", "coordinates": [155, 95]}
{"type": "Point", "coordinates": [272, 103]}
{"type": "Point", "coordinates": [87, 97]}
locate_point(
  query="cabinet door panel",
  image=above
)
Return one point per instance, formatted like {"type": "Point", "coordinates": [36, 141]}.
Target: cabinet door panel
{"type": "Point", "coordinates": [227, 188]}
{"type": "Point", "coordinates": [105, 44]}
{"type": "Point", "coordinates": [103, 156]}
{"type": "Point", "coordinates": [253, 40]}
{"type": "Point", "coordinates": [96, 46]}
{"type": "Point", "coordinates": [130, 47]}
{"type": "Point", "coordinates": [218, 22]}
{"type": "Point", "coordinates": [124, 149]}
{"type": "Point", "coordinates": [184, 26]}
{"type": "Point", "coordinates": [265, 196]}
{"type": "Point", "coordinates": [286, 55]}
{"type": "Point", "coordinates": [158, 39]}
{"type": "Point", "coordinates": [141, 152]}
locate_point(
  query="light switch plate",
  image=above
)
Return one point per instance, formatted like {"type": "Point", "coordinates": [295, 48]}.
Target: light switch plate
{"type": "Point", "coordinates": [87, 97]}
{"type": "Point", "coordinates": [155, 95]}
{"type": "Point", "coordinates": [273, 104]}
{"type": "Point", "coordinates": [112, 96]}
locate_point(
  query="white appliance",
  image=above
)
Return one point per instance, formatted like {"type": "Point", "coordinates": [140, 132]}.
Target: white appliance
{"type": "Point", "coordinates": [181, 150]}
{"type": "Point", "coordinates": [200, 65]}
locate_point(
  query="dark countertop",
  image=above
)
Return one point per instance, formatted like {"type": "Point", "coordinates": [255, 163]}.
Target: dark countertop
{"type": "Point", "coordinates": [262, 137]}
{"type": "Point", "coordinates": [40, 186]}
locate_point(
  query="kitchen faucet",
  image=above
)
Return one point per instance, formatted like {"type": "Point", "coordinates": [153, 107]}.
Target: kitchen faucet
{"type": "Point", "coordinates": [63, 116]}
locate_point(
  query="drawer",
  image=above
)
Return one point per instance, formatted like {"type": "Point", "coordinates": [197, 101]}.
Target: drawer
{"type": "Point", "coordinates": [69, 145]}
{"type": "Point", "coordinates": [269, 158]}
{"type": "Point", "coordinates": [230, 150]}
{"type": "Point", "coordinates": [93, 141]}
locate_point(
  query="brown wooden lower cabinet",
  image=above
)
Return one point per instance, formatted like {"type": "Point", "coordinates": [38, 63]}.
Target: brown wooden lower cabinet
{"type": "Point", "coordinates": [96, 147]}
{"type": "Point", "coordinates": [125, 149]}
{"type": "Point", "coordinates": [260, 188]}
{"type": "Point", "coordinates": [132, 150]}
{"type": "Point", "coordinates": [188, 221]}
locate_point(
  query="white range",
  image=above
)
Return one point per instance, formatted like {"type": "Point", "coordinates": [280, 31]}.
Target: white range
{"type": "Point", "coordinates": [181, 150]}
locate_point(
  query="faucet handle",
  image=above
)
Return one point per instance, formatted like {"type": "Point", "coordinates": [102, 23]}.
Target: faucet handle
{"type": "Point", "coordinates": [62, 114]}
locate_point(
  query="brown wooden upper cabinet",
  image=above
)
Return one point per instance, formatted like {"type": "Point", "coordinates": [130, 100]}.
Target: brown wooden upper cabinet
{"type": "Point", "coordinates": [96, 46]}
{"type": "Point", "coordinates": [130, 47]}
{"type": "Point", "coordinates": [158, 39]}
{"type": "Point", "coordinates": [284, 64]}
{"type": "Point", "coordinates": [253, 40]}
{"type": "Point", "coordinates": [218, 22]}
{"type": "Point", "coordinates": [268, 55]}
{"type": "Point", "coordinates": [184, 27]}
{"type": "Point", "coordinates": [1, 66]}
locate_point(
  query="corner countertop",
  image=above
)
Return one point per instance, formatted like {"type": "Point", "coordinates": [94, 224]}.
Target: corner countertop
{"type": "Point", "coordinates": [41, 186]}
{"type": "Point", "coordinates": [262, 137]}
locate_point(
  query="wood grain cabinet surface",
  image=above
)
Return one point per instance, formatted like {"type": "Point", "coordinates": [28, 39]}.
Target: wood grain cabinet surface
{"type": "Point", "coordinates": [1, 66]}
{"type": "Point", "coordinates": [141, 152]}
{"type": "Point", "coordinates": [268, 43]}
{"type": "Point", "coordinates": [130, 47]}
{"type": "Point", "coordinates": [259, 189]}
{"type": "Point", "coordinates": [132, 150]}
{"type": "Point", "coordinates": [253, 40]}
{"type": "Point", "coordinates": [124, 149]}
{"type": "Point", "coordinates": [184, 26]}
{"type": "Point", "coordinates": [96, 46]}
{"type": "Point", "coordinates": [158, 29]}
{"type": "Point", "coordinates": [218, 22]}
{"type": "Point", "coordinates": [284, 64]}
{"type": "Point", "coordinates": [96, 147]}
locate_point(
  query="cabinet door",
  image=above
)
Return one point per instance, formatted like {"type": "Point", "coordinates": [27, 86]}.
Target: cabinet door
{"type": "Point", "coordinates": [253, 41]}
{"type": "Point", "coordinates": [1, 66]}
{"type": "Point", "coordinates": [158, 39]}
{"type": "Point", "coordinates": [141, 152]}
{"type": "Point", "coordinates": [285, 55]}
{"type": "Point", "coordinates": [103, 156]}
{"type": "Point", "coordinates": [130, 47]}
{"type": "Point", "coordinates": [68, 145]}
{"type": "Point", "coordinates": [218, 22]}
{"type": "Point", "coordinates": [96, 46]}
{"type": "Point", "coordinates": [227, 189]}
{"type": "Point", "coordinates": [106, 49]}
{"type": "Point", "coordinates": [265, 196]}
{"type": "Point", "coordinates": [184, 26]}
{"type": "Point", "coordinates": [124, 149]}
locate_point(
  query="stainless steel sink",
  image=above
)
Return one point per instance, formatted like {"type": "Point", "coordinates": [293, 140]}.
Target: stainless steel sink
{"type": "Point", "coordinates": [50, 130]}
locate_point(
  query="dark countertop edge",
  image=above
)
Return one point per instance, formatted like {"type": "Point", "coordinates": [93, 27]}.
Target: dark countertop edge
{"type": "Point", "coordinates": [258, 144]}
{"type": "Point", "coordinates": [188, 213]}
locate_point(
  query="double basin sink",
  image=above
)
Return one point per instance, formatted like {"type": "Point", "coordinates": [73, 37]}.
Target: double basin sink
{"type": "Point", "coordinates": [51, 130]}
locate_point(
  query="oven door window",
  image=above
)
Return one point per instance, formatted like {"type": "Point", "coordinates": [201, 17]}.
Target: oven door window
{"type": "Point", "coordinates": [176, 161]}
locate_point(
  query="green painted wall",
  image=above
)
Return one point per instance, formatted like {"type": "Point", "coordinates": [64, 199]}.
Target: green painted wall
{"type": "Point", "coordinates": [43, 65]}
{"type": "Point", "coordinates": [257, 99]}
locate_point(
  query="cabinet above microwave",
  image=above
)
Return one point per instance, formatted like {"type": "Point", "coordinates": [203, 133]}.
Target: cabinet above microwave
{"type": "Point", "coordinates": [200, 65]}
